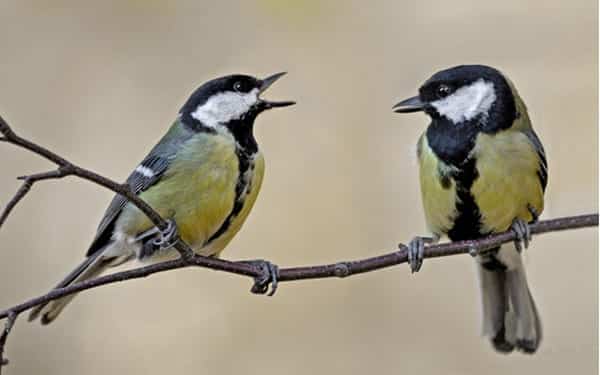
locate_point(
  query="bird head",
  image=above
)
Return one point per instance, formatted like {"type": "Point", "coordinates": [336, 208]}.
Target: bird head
{"type": "Point", "coordinates": [474, 95]}
{"type": "Point", "coordinates": [234, 99]}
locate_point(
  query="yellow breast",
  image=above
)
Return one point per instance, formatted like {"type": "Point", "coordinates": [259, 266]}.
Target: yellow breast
{"type": "Point", "coordinates": [197, 191]}
{"type": "Point", "coordinates": [507, 184]}
{"type": "Point", "coordinates": [438, 195]}
{"type": "Point", "coordinates": [256, 174]}
{"type": "Point", "coordinates": [508, 180]}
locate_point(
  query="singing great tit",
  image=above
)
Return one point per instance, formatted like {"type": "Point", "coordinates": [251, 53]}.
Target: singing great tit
{"type": "Point", "coordinates": [203, 176]}
{"type": "Point", "coordinates": [483, 170]}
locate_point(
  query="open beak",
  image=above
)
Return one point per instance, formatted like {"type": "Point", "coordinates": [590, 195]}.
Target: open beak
{"type": "Point", "coordinates": [265, 84]}
{"type": "Point", "coordinates": [413, 104]}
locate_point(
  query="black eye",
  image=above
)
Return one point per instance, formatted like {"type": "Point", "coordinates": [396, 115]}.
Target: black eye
{"type": "Point", "coordinates": [443, 91]}
{"type": "Point", "coordinates": [237, 86]}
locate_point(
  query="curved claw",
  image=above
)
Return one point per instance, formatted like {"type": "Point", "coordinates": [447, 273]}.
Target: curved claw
{"type": "Point", "coordinates": [416, 252]}
{"type": "Point", "coordinates": [167, 237]}
{"type": "Point", "coordinates": [269, 275]}
{"type": "Point", "coordinates": [523, 233]}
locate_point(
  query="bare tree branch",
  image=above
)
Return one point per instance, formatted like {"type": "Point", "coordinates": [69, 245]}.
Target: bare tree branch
{"type": "Point", "coordinates": [340, 269]}
{"type": "Point", "coordinates": [189, 258]}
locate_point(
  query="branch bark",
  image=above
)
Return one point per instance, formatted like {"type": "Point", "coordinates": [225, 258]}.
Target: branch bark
{"type": "Point", "coordinates": [340, 269]}
{"type": "Point", "coordinates": [189, 258]}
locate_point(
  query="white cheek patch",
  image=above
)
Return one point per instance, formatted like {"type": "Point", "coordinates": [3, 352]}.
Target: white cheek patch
{"type": "Point", "coordinates": [224, 107]}
{"type": "Point", "coordinates": [467, 102]}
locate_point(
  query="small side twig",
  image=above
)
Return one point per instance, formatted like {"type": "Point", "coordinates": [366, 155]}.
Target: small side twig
{"type": "Point", "coordinates": [8, 325]}
{"type": "Point", "coordinates": [28, 182]}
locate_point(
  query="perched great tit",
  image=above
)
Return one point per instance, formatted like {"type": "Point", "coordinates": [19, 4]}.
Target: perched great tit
{"type": "Point", "coordinates": [203, 176]}
{"type": "Point", "coordinates": [483, 170]}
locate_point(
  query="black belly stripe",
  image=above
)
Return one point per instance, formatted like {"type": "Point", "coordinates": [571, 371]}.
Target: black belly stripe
{"type": "Point", "coordinates": [467, 224]}
{"type": "Point", "coordinates": [453, 144]}
{"type": "Point", "coordinates": [245, 164]}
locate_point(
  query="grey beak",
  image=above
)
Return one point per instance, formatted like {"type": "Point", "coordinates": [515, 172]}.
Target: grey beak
{"type": "Point", "coordinates": [413, 104]}
{"type": "Point", "coordinates": [265, 84]}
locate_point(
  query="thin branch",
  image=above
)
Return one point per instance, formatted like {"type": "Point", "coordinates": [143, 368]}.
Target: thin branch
{"type": "Point", "coordinates": [28, 182]}
{"type": "Point", "coordinates": [340, 269]}
{"type": "Point", "coordinates": [10, 321]}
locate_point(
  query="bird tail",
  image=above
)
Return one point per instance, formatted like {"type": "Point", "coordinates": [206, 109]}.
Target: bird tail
{"type": "Point", "coordinates": [91, 267]}
{"type": "Point", "coordinates": [510, 317]}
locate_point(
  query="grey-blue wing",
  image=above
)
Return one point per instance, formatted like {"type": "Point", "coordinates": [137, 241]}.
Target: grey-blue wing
{"type": "Point", "coordinates": [148, 173]}
{"type": "Point", "coordinates": [539, 148]}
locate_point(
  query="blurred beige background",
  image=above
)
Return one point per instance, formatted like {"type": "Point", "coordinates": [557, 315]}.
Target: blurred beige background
{"type": "Point", "coordinates": [100, 82]}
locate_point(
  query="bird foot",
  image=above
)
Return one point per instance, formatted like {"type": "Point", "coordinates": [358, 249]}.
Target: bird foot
{"type": "Point", "coordinates": [416, 252]}
{"type": "Point", "coordinates": [269, 275]}
{"type": "Point", "coordinates": [167, 237]}
{"type": "Point", "coordinates": [523, 233]}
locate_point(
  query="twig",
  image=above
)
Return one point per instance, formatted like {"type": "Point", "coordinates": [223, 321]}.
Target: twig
{"type": "Point", "coordinates": [10, 321]}
{"type": "Point", "coordinates": [28, 182]}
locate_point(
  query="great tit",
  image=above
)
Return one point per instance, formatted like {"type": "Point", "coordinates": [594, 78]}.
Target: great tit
{"type": "Point", "coordinates": [203, 176]}
{"type": "Point", "coordinates": [482, 170]}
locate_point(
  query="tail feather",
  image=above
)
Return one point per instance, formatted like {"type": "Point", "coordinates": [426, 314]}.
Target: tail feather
{"type": "Point", "coordinates": [525, 327]}
{"type": "Point", "coordinates": [494, 306]}
{"type": "Point", "coordinates": [510, 317]}
{"type": "Point", "coordinates": [91, 267]}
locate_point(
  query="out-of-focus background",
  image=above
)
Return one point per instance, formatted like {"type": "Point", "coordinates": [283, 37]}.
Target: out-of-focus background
{"type": "Point", "coordinates": [100, 82]}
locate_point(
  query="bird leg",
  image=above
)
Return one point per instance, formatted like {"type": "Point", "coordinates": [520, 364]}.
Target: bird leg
{"type": "Point", "coordinates": [269, 275]}
{"type": "Point", "coordinates": [147, 234]}
{"type": "Point", "coordinates": [534, 214]}
{"type": "Point", "coordinates": [167, 237]}
{"type": "Point", "coordinates": [416, 251]}
{"type": "Point", "coordinates": [523, 233]}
